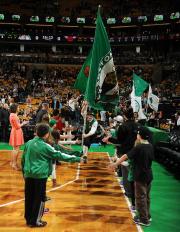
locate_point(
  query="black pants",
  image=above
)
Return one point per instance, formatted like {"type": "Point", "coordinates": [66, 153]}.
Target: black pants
{"type": "Point", "coordinates": [142, 196]}
{"type": "Point", "coordinates": [132, 193]}
{"type": "Point", "coordinates": [35, 192]}
{"type": "Point", "coordinates": [126, 183]}
{"type": "Point", "coordinates": [5, 133]}
{"type": "Point", "coordinates": [92, 139]}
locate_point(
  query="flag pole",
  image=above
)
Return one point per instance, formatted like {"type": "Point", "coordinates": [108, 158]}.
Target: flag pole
{"type": "Point", "coordinates": [84, 114]}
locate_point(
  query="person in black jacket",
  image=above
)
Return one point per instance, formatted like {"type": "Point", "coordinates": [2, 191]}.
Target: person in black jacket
{"type": "Point", "coordinates": [5, 123]}
{"type": "Point", "coordinates": [42, 112]}
{"type": "Point", "coordinates": [1, 109]}
{"type": "Point", "coordinates": [125, 140]}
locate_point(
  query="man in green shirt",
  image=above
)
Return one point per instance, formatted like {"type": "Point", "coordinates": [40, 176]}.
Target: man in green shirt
{"type": "Point", "coordinates": [37, 166]}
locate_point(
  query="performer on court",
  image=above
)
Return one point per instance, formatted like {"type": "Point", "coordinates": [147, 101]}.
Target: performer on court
{"type": "Point", "coordinates": [142, 155]}
{"type": "Point", "coordinates": [93, 132]}
{"type": "Point", "coordinates": [37, 166]}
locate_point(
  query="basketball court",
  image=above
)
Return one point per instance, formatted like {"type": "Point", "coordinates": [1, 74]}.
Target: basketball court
{"type": "Point", "coordinates": [88, 198]}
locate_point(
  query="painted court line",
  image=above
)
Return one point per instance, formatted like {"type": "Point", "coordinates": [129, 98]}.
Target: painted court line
{"type": "Point", "coordinates": [50, 190]}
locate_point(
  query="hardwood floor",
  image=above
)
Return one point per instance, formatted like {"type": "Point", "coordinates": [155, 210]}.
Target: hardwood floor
{"type": "Point", "coordinates": [88, 199]}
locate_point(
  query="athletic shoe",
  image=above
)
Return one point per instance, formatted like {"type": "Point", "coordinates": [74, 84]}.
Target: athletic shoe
{"type": "Point", "coordinates": [47, 198]}
{"type": "Point", "coordinates": [38, 224]}
{"type": "Point", "coordinates": [139, 222]}
{"type": "Point", "coordinates": [84, 159]}
{"type": "Point", "coordinates": [121, 182]}
{"type": "Point", "coordinates": [58, 162]}
{"type": "Point", "coordinates": [49, 178]}
{"type": "Point", "coordinates": [46, 210]}
{"type": "Point", "coordinates": [133, 208]}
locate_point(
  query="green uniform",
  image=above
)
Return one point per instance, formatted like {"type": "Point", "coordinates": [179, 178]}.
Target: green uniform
{"type": "Point", "coordinates": [130, 173]}
{"type": "Point", "coordinates": [37, 158]}
{"type": "Point", "coordinates": [57, 147]}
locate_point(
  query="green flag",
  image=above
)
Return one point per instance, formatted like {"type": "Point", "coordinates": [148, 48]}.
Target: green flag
{"type": "Point", "coordinates": [139, 85]}
{"type": "Point", "coordinates": [102, 91]}
{"type": "Point", "coordinates": [83, 75]}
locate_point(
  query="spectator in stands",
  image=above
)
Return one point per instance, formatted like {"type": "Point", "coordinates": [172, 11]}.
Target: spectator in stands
{"type": "Point", "coordinates": [29, 100]}
{"type": "Point", "coordinates": [59, 125]}
{"type": "Point", "coordinates": [177, 122]}
{"type": "Point", "coordinates": [43, 111]}
{"type": "Point", "coordinates": [5, 123]}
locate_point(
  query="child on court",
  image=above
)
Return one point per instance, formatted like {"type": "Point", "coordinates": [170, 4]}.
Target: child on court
{"type": "Point", "coordinates": [37, 166]}
{"type": "Point", "coordinates": [56, 138]}
{"type": "Point", "coordinates": [142, 155]}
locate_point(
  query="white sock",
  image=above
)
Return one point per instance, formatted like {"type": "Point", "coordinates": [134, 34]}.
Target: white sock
{"type": "Point", "coordinates": [85, 150]}
{"type": "Point", "coordinates": [54, 171]}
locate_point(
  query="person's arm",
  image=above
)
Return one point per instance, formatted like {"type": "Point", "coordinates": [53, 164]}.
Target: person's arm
{"type": "Point", "coordinates": [106, 139]}
{"type": "Point", "coordinates": [113, 166]}
{"type": "Point", "coordinates": [130, 155]}
{"type": "Point", "coordinates": [67, 136]}
{"type": "Point", "coordinates": [84, 108]}
{"type": "Point", "coordinates": [54, 154]}
{"type": "Point", "coordinates": [65, 147]}
{"type": "Point", "coordinates": [16, 123]}
{"type": "Point", "coordinates": [68, 142]}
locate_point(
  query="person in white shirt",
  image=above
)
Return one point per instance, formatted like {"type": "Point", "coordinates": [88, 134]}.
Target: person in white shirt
{"type": "Point", "coordinates": [178, 120]}
{"type": "Point", "coordinates": [93, 132]}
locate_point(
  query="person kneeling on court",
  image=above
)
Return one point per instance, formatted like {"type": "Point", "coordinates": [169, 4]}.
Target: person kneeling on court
{"type": "Point", "coordinates": [37, 166]}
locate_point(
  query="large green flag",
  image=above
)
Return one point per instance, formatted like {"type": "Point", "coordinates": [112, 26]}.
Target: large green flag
{"type": "Point", "coordinates": [83, 75]}
{"type": "Point", "coordinates": [102, 91]}
{"type": "Point", "coordinates": [139, 85]}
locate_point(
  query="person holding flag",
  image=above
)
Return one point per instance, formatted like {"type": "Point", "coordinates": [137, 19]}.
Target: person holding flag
{"type": "Point", "coordinates": [102, 91]}
{"type": "Point", "coordinates": [153, 100]}
{"type": "Point", "coordinates": [82, 78]}
{"type": "Point", "coordinates": [93, 132]}
{"type": "Point", "coordinates": [97, 78]}
{"type": "Point", "coordinates": [99, 85]}
{"type": "Point", "coordinates": [138, 88]}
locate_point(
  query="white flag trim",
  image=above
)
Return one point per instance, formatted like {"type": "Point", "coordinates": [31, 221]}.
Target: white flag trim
{"type": "Point", "coordinates": [136, 104]}
{"type": "Point", "coordinates": [153, 100]}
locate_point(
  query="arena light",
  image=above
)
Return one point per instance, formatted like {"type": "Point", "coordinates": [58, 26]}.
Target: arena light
{"type": "Point", "coordinates": [111, 21]}
{"type": "Point", "coordinates": [158, 18]}
{"type": "Point", "coordinates": [142, 19]}
{"type": "Point", "coordinates": [1, 17]}
{"type": "Point", "coordinates": [81, 20]}
{"type": "Point", "coordinates": [34, 18]}
{"type": "Point", "coordinates": [175, 15]}
{"type": "Point", "coordinates": [126, 20]}
{"type": "Point", "coordinates": [16, 17]}
{"type": "Point", "coordinates": [65, 20]}
{"type": "Point", "coordinates": [49, 19]}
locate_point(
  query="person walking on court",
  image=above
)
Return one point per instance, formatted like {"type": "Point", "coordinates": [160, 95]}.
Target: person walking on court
{"type": "Point", "coordinates": [93, 132]}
